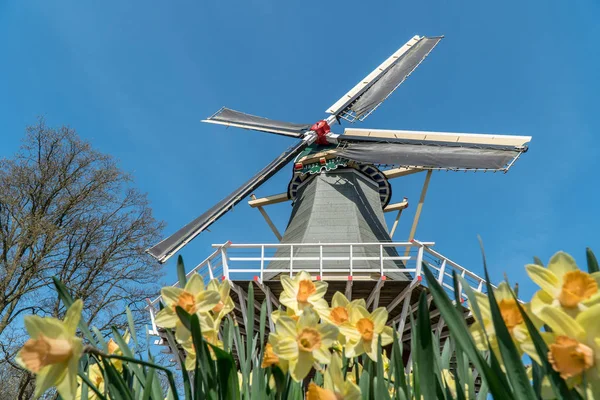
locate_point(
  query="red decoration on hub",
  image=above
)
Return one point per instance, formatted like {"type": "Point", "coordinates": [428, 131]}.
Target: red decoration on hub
{"type": "Point", "coordinates": [321, 128]}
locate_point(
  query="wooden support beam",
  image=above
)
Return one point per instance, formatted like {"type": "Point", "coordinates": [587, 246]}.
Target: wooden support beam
{"type": "Point", "coordinates": [406, 292]}
{"type": "Point", "coordinates": [402, 171]}
{"type": "Point", "coordinates": [374, 296]}
{"type": "Point", "coordinates": [413, 229]}
{"type": "Point", "coordinates": [265, 201]}
{"type": "Point", "coordinates": [268, 219]}
{"type": "Point", "coordinates": [396, 206]}
{"type": "Point", "coordinates": [349, 289]}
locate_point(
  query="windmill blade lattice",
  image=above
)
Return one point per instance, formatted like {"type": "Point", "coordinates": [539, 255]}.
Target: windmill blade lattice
{"type": "Point", "coordinates": [169, 246]}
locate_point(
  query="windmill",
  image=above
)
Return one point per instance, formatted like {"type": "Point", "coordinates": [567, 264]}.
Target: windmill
{"type": "Point", "coordinates": [338, 186]}
{"type": "Point", "coordinates": [339, 191]}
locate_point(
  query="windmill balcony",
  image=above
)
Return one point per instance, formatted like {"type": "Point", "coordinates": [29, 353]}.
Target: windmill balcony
{"type": "Point", "coordinates": [242, 263]}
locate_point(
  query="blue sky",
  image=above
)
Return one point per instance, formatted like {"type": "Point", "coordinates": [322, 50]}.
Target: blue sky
{"type": "Point", "coordinates": [135, 78]}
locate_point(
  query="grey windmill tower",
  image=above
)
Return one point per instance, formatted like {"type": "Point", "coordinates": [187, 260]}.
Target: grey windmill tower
{"type": "Point", "coordinates": [340, 188]}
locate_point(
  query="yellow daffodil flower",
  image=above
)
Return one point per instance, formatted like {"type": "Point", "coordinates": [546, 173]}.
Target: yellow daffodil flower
{"type": "Point", "coordinates": [113, 348]}
{"type": "Point", "coordinates": [564, 285]}
{"type": "Point", "coordinates": [53, 351]}
{"type": "Point", "coordinates": [340, 311]}
{"type": "Point", "coordinates": [334, 381]}
{"type": "Point", "coordinates": [97, 378]}
{"type": "Point", "coordinates": [193, 298]}
{"type": "Point", "coordinates": [512, 319]}
{"type": "Point", "coordinates": [301, 292]}
{"type": "Point", "coordinates": [225, 304]}
{"type": "Point", "coordinates": [303, 342]}
{"type": "Point", "coordinates": [363, 329]}
{"type": "Point", "coordinates": [574, 344]}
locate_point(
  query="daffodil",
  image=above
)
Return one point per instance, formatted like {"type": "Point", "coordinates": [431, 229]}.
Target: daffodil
{"type": "Point", "coordinates": [448, 377]}
{"type": "Point", "coordinates": [225, 304]}
{"type": "Point", "coordinates": [564, 285]}
{"type": "Point", "coordinates": [113, 348]}
{"type": "Point", "coordinates": [340, 311]}
{"type": "Point", "coordinates": [512, 319]}
{"type": "Point", "coordinates": [303, 342]}
{"type": "Point", "coordinates": [193, 298]}
{"type": "Point", "coordinates": [287, 312]}
{"type": "Point", "coordinates": [53, 351]}
{"type": "Point", "coordinates": [363, 329]}
{"type": "Point", "coordinates": [334, 381]}
{"type": "Point", "coordinates": [301, 292]}
{"type": "Point", "coordinates": [210, 333]}
{"type": "Point", "coordinates": [574, 344]}
{"type": "Point", "coordinates": [97, 378]}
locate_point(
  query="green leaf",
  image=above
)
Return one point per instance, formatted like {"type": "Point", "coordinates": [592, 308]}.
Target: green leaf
{"type": "Point", "coordinates": [537, 261]}
{"type": "Point", "coordinates": [380, 383]}
{"type": "Point", "coordinates": [181, 272]}
{"type": "Point", "coordinates": [398, 366]}
{"type": "Point", "coordinates": [187, 388]}
{"type": "Point", "coordinates": [227, 376]}
{"type": "Point", "coordinates": [131, 326]}
{"type": "Point", "coordinates": [67, 299]}
{"type": "Point", "coordinates": [148, 384]}
{"type": "Point", "coordinates": [592, 262]}
{"type": "Point", "coordinates": [428, 381]}
{"type": "Point", "coordinates": [460, 333]}
{"type": "Point", "coordinates": [365, 381]}
{"type": "Point", "coordinates": [510, 355]}
{"type": "Point", "coordinates": [116, 384]}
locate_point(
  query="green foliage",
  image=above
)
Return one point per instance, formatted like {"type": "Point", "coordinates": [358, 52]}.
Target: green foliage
{"type": "Point", "coordinates": [449, 366]}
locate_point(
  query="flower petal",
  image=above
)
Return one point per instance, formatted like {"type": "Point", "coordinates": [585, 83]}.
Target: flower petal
{"type": "Point", "coordinates": [589, 320]}
{"type": "Point", "coordinates": [387, 335]}
{"type": "Point", "coordinates": [358, 312]}
{"type": "Point", "coordinates": [320, 290]}
{"type": "Point", "coordinates": [561, 263]}
{"type": "Point", "coordinates": [329, 333]}
{"type": "Point", "coordinates": [322, 355]}
{"type": "Point", "coordinates": [166, 318]}
{"type": "Point", "coordinates": [207, 300]}
{"type": "Point", "coordinates": [301, 366]}
{"type": "Point", "coordinates": [379, 318]}
{"type": "Point", "coordinates": [309, 318]}
{"type": "Point", "coordinates": [289, 286]}
{"type": "Point", "coordinates": [67, 388]}
{"type": "Point", "coordinates": [195, 284]}
{"type": "Point", "coordinates": [286, 348]}
{"type": "Point", "coordinates": [302, 276]}
{"type": "Point", "coordinates": [49, 376]}
{"type": "Point", "coordinates": [544, 278]}
{"type": "Point", "coordinates": [286, 326]}
{"type": "Point", "coordinates": [349, 331]}
{"type": "Point", "coordinates": [339, 300]}
{"type": "Point", "coordinates": [540, 300]}
{"type": "Point", "coordinates": [72, 317]}
{"type": "Point", "coordinates": [170, 294]}
{"type": "Point", "coordinates": [561, 323]}
{"type": "Point", "coordinates": [50, 327]}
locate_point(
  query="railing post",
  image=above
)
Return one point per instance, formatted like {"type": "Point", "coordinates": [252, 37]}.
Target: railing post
{"type": "Point", "coordinates": [225, 263]}
{"type": "Point", "coordinates": [321, 261]}
{"type": "Point", "coordinates": [381, 259]}
{"type": "Point", "coordinates": [442, 272]}
{"type": "Point", "coordinates": [210, 271]}
{"type": "Point", "coordinates": [480, 286]}
{"type": "Point", "coordinates": [419, 261]}
{"type": "Point", "coordinates": [351, 260]}
{"type": "Point", "coordinates": [291, 260]}
{"type": "Point", "coordinates": [262, 261]}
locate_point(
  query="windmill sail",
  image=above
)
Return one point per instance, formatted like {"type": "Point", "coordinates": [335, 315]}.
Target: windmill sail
{"type": "Point", "coordinates": [369, 93]}
{"type": "Point", "coordinates": [432, 149]}
{"type": "Point", "coordinates": [169, 246]}
{"type": "Point", "coordinates": [229, 117]}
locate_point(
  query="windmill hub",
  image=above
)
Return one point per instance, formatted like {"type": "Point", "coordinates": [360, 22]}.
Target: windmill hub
{"type": "Point", "coordinates": [321, 128]}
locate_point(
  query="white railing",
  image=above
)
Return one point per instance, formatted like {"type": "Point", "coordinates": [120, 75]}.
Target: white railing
{"type": "Point", "coordinates": [246, 262]}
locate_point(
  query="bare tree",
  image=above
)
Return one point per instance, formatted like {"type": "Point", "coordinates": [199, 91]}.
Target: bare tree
{"type": "Point", "coordinates": [67, 210]}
